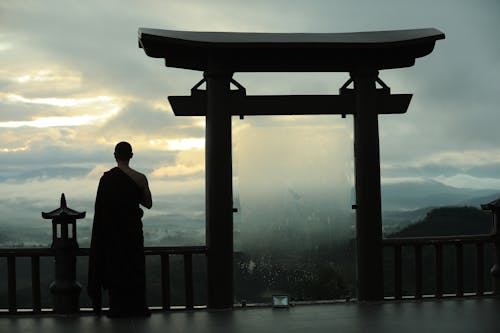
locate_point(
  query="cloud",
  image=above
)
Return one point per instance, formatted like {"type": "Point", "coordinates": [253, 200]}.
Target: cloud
{"type": "Point", "coordinates": [39, 173]}
{"type": "Point", "coordinates": [188, 164]}
{"type": "Point", "coordinates": [468, 181]}
{"type": "Point", "coordinates": [20, 111]}
{"type": "Point", "coordinates": [177, 171]}
{"type": "Point", "coordinates": [36, 81]}
{"type": "Point", "coordinates": [49, 190]}
{"type": "Point", "coordinates": [47, 146]}
{"type": "Point", "coordinates": [51, 97]}
{"type": "Point", "coordinates": [144, 118]}
{"type": "Point", "coordinates": [470, 169]}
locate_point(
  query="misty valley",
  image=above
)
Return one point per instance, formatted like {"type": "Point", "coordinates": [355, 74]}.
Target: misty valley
{"type": "Point", "coordinates": [297, 243]}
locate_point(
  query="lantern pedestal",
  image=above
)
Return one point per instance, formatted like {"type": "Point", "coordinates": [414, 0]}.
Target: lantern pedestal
{"type": "Point", "coordinates": [65, 289]}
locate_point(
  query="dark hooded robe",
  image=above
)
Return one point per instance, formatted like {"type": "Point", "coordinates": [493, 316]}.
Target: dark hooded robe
{"type": "Point", "coordinates": [116, 259]}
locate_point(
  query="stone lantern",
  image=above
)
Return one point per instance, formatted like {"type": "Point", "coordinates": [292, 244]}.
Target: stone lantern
{"type": "Point", "coordinates": [65, 289]}
{"type": "Point", "coordinates": [494, 207]}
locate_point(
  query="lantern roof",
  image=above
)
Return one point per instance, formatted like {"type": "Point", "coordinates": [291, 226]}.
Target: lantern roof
{"type": "Point", "coordinates": [288, 52]}
{"type": "Point", "coordinates": [493, 205]}
{"type": "Point", "coordinates": [63, 212]}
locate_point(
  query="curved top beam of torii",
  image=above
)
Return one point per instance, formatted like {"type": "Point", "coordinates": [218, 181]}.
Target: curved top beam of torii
{"type": "Point", "coordinates": [289, 52]}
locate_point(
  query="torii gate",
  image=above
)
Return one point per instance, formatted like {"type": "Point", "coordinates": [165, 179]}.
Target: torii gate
{"type": "Point", "coordinates": [220, 54]}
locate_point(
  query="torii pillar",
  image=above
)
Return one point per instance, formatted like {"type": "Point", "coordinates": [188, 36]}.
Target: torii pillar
{"type": "Point", "coordinates": [219, 190]}
{"type": "Point", "coordinates": [220, 54]}
{"type": "Point", "coordinates": [367, 185]}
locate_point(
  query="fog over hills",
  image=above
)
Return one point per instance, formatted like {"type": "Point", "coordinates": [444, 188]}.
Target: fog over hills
{"type": "Point", "coordinates": [431, 193]}
{"type": "Point", "coordinates": [409, 202]}
{"type": "Point", "coordinates": [180, 219]}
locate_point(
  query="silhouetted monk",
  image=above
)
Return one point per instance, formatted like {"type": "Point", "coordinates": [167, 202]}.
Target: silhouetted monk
{"type": "Point", "coordinates": [116, 260]}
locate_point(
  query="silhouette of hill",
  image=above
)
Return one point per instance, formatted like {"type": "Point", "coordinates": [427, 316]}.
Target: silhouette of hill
{"type": "Point", "coordinates": [448, 221]}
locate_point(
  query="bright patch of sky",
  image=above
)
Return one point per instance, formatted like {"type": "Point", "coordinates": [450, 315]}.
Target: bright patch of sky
{"type": "Point", "coordinates": [52, 122]}
{"type": "Point", "coordinates": [57, 101]}
{"type": "Point", "coordinates": [46, 75]}
{"type": "Point", "coordinates": [186, 144]}
{"type": "Point", "coordinates": [11, 150]}
{"type": "Point", "coordinates": [5, 46]}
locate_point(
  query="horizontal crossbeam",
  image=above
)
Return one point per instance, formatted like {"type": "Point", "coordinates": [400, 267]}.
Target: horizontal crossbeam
{"type": "Point", "coordinates": [269, 105]}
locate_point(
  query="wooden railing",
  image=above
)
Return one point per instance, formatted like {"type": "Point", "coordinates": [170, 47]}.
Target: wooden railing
{"type": "Point", "coordinates": [12, 254]}
{"type": "Point", "coordinates": [438, 244]}
{"type": "Point", "coordinates": [165, 253]}
{"type": "Point", "coordinates": [395, 247]}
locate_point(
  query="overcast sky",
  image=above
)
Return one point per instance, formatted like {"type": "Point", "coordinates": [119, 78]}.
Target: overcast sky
{"type": "Point", "coordinates": [73, 83]}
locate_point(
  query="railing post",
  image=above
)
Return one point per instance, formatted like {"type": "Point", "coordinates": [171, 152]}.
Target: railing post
{"type": "Point", "coordinates": [398, 280]}
{"type": "Point", "coordinates": [35, 283]}
{"type": "Point", "coordinates": [418, 271]}
{"type": "Point", "coordinates": [11, 280]}
{"type": "Point", "coordinates": [494, 207]}
{"type": "Point", "coordinates": [438, 248]}
{"type": "Point", "coordinates": [459, 255]}
{"type": "Point", "coordinates": [495, 270]}
{"type": "Point", "coordinates": [188, 280]}
{"type": "Point", "coordinates": [479, 269]}
{"type": "Point", "coordinates": [65, 289]}
{"type": "Point", "coordinates": [165, 281]}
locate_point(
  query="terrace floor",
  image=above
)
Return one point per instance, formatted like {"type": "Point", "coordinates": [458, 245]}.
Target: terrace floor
{"type": "Point", "coordinates": [446, 315]}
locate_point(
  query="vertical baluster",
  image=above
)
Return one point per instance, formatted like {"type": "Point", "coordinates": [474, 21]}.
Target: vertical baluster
{"type": "Point", "coordinates": [459, 255]}
{"type": "Point", "coordinates": [35, 283]}
{"type": "Point", "coordinates": [418, 270]}
{"type": "Point", "coordinates": [188, 278]}
{"type": "Point", "coordinates": [479, 268]}
{"type": "Point", "coordinates": [11, 281]}
{"type": "Point", "coordinates": [165, 281]}
{"type": "Point", "coordinates": [397, 272]}
{"type": "Point", "coordinates": [439, 269]}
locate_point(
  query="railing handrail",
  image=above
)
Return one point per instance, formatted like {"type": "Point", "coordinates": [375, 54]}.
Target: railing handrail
{"type": "Point", "coordinates": [153, 250]}
{"type": "Point", "coordinates": [439, 239]}
{"type": "Point", "coordinates": [26, 251]}
{"type": "Point", "coordinates": [84, 251]}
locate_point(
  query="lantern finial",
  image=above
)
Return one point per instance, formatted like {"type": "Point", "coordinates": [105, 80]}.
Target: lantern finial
{"type": "Point", "coordinates": [63, 201]}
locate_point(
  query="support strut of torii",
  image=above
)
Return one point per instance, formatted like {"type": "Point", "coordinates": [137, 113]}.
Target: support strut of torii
{"type": "Point", "coordinates": [220, 54]}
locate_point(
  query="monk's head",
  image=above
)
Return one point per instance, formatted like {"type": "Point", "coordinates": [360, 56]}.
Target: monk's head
{"type": "Point", "coordinates": [123, 151]}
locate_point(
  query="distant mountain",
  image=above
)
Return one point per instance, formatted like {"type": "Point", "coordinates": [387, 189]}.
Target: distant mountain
{"type": "Point", "coordinates": [447, 221]}
{"type": "Point", "coordinates": [419, 194]}
{"type": "Point", "coordinates": [395, 218]}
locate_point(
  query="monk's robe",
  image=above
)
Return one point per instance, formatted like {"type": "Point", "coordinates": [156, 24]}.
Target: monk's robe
{"type": "Point", "coordinates": [116, 260]}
